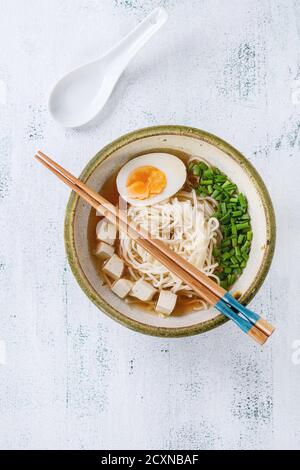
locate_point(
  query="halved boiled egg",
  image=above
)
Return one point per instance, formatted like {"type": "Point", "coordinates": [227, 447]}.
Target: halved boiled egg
{"type": "Point", "coordinates": [151, 178]}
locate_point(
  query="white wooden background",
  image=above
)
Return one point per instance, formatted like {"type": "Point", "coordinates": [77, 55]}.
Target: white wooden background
{"type": "Point", "coordinates": [73, 378]}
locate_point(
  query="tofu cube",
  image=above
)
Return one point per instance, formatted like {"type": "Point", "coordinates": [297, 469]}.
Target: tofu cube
{"type": "Point", "coordinates": [122, 287]}
{"type": "Point", "coordinates": [114, 267]}
{"type": "Point", "coordinates": [106, 231]}
{"type": "Point", "coordinates": [103, 250]}
{"type": "Point", "coordinates": [142, 290]}
{"type": "Point", "coordinates": [166, 302]}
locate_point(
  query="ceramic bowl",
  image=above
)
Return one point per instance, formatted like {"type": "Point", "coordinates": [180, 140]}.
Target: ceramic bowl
{"type": "Point", "coordinates": [172, 139]}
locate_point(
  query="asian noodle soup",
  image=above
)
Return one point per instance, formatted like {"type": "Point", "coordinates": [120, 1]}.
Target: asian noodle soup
{"type": "Point", "coordinates": [195, 209]}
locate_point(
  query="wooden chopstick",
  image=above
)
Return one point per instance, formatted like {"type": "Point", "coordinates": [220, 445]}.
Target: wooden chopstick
{"type": "Point", "coordinates": [205, 280]}
{"type": "Point", "coordinates": [89, 196]}
{"type": "Point", "coordinates": [180, 267]}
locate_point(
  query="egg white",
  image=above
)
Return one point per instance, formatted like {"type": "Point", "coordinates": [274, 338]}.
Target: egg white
{"type": "Point", "coordinates": [171, 166]}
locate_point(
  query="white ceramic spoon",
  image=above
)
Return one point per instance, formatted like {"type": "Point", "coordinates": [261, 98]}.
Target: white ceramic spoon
{"type": "Point", "coordinates": [81, 94]}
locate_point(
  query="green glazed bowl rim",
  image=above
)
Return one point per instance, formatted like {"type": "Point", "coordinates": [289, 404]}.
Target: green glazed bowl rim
{"type": "Point", "coordinates": [155, 131]}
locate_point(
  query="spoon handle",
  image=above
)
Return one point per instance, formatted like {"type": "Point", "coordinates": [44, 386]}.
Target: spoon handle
{"type": "Point", "coordinates": [126, 49]}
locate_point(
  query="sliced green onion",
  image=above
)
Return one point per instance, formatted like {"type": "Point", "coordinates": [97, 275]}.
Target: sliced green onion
{"type": "Point", "coordinates": [196, 170]}
{"type": "Point", "coordinates": [225, 219]}
{"type": "Point", "coordinates": [227, 183]}
{"type": "Point", "coordinates": [241, 238]}
{"type": "Point", "coordinates": [237, 251]}
{"type": "Point", "coordinates": [223, 208]}
{"type": "Point", "coordinates": [242, 226]}
{"type": "Point", "coordinates": [208, 174]}
{"type": "Point", "coordinates": [220, 178]}
{"type": "Point", "coordinates": [215, 193]}
{"type": "Point", "coordinates": [242, 200]}
{"type": "Point", "coordinates": [216, 252]}
{"type": "Point", "coordinates": [233, 252]}
{"type": "Point", "coordinates": [226, 242]}
{"type": "Point", "coordinates": [190, 167]}
{"type": "Point", "coordinates": [203, 166]}
{"type": "Point", "coordinates": [236, 213]}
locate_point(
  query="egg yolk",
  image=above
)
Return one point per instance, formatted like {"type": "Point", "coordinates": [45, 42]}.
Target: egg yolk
{"type": "Point", "coordinates": [145, 181]}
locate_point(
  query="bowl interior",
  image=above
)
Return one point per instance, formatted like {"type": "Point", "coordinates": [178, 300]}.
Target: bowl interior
{"type": "Point", "coordinates": [217, 153]}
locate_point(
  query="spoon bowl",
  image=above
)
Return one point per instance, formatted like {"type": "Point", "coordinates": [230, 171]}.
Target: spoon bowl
{"type": "Point", "coordinates": [81, 94]}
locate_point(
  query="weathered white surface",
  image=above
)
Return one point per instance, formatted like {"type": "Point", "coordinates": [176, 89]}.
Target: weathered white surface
{"type": "Point", "coordinates": [73, 378]}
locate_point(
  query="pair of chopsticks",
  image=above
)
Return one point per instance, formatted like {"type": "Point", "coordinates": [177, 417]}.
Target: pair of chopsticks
{"type": "Point", "coordinates": [249, 322]}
